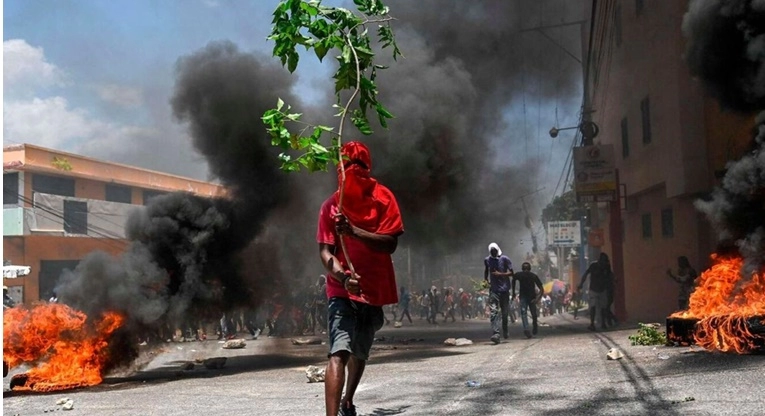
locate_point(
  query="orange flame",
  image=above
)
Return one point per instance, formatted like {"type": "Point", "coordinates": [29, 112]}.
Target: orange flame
{"type": "Point", "coordinates": [725, 305]}
{"type": "Point", "coordinates": [68, 351]}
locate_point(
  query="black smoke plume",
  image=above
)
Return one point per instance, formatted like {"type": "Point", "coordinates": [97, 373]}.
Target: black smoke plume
{"type": "Point", "coordinates": [184, 261]}
{"type": "Point", "coordinates": [726, 50]}
{"type": "Point", "coordinates": [455, 160]}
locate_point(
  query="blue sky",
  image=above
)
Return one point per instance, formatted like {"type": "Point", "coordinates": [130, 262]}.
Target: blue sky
{"type": "Point", "coordinates": [92, 76]}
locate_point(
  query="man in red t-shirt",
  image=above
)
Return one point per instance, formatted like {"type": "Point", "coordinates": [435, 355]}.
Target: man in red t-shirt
{"type": "Point", "coordinates": [367, 218]}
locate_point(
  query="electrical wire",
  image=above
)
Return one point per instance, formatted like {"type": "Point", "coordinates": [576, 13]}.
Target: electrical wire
{"type": "Point", "coordinates": [23, 182]}
{"type": "Point", "coordinates": [105, 237]}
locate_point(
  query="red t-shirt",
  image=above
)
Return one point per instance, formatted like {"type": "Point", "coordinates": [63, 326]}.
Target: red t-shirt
{"type": "Point", "coordinates": [375, 268]}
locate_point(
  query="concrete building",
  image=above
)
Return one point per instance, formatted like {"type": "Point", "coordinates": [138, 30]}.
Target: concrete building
{"type": "Point", "coordinates": [58, 207]}
{"type": "Point", "coordinates": [671, 143]}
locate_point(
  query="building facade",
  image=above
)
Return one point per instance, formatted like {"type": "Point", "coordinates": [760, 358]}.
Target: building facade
{"type": "Point", "coordinates": [671, 143]}
{"type": "Point", "coordinates": [58, 207]}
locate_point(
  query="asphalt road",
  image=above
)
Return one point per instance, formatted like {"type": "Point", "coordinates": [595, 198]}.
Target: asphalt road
{"type": "Point", "coordinates": [562, 371]}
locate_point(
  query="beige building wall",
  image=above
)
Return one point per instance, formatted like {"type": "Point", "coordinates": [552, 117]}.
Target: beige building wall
{"type": "Point", "coordinates": [90, 177]}
{"type": "Point", "coordinates": [637, 55]}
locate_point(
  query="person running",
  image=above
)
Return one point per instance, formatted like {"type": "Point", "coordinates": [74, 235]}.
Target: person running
{"type": "Point", "coordinates": [527, 297]}
{"type": "Point", "coordinates": [403, 304]}
{"type": "Point", "coordinates": [449, 305]}
{"type": "Point", "coordinates": [600, 272]}
{"type": "Point", "coordinates": [686, 277]}
{"type": "Point", "coordinates": [464, 302]}
{"type": "Point", "coordinates": [500, 269]}
{"type": "Point", "coordinates": [425, 305]}
{"type": "Point", "coordinates": [369, 223]}
{"type": "Point", "coordinates": [435, 305]}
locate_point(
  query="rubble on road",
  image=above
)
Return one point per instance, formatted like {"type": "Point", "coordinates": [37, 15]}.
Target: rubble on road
{"type": "Point", "coordinates": [69, 405]}
{"type": "Point", "coordinates": [614, 354]}
{"type": "Point", "coordinates": [234, 344]}
{"type": "Point", "coordinates": [458, 342]}
{"type": "Point", "coordinates": [383, 347]}
{"type": "Point", "coordinates": [306, 341]}
{"type": "Point", "coordinates": [314, 374]}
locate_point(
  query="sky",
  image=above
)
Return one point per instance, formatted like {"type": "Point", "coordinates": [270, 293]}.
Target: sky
{"type": "Point", "coordinates": [474, 97]}
{"type": "Point", "coordinates": [95, 77]}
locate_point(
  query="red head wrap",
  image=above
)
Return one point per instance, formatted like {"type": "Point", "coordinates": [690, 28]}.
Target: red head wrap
{"type": "Point", "coordinates": [366, 202]}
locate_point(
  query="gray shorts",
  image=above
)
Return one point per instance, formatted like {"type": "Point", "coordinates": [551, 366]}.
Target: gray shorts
{"type": "Point", "coordinates": [352, 326]}
{"type": "Point", "coordinates": [598, 299]}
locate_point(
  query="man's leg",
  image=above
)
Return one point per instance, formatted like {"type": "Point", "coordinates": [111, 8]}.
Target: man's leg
{"type": "Point", "coordinates": [504, 302]}
{"type": "Point", "coordinates": [355, 371]}
{"type": "Point", "coordinates": [494, 317]}
{"type": "Point", "coordinates": [534, 315]}
{"type": "Point", "coordinates": [334, 379]}
{"type": "Point", "coordinates": [524, 318]}
{"type": "Point", "coordinates": [343, 320]}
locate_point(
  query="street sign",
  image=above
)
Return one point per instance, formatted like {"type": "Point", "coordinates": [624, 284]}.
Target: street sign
{"type": "Point", "coordinates": [594, 173]}
{"type": "Point", "coordinates": [564, 233]}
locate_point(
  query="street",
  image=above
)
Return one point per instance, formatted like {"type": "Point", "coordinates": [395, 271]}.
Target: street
{"type": "Point", "coordinates": [562, 371]}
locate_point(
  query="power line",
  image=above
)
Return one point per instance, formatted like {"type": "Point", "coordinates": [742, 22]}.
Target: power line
{"type": "Point", "coordinates": [23, 181]}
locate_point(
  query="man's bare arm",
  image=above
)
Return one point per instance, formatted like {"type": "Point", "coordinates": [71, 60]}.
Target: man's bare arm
{"type": "Point", "coordinates": [377, 242]}
{"type": "Point", "coordinates": [335, 269]}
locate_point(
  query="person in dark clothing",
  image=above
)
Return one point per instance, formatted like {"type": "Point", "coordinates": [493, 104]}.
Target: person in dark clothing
{"type": "Point", "coordinates": [403, 303]}
{"type": "Point", "coordinates": [528, 297]}
{"type": "Point", "coordinates": [601, 277]}
{"type": "Point", "coordinates": [500, 269]}
{"type": "Point", "coordinates": [686, 276]}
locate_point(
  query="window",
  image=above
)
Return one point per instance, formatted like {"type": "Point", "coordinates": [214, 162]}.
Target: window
{"type": "Point", "coordinates": [118, 193]}
{"type": "Point", "coordinates": [667, 223]}
{"type": "Point", "coordinates": [618, 24]}
{"type": "Point", "coordinates": [625, 139]}
{"type": "Point", "coordinates": [50, 275]}
{"type": "Point", "coordinates": [639, 7]}
{"type": "Point", "coordinates": [55, 185]}
{"type": "Point", "coordinates": [11, 188]}
{"type": "Point", "coordinates": [645, 113]}
{"type": "Point", "coordinates": [76, 217]}
{"type": "Point", "coordinates": [149, 194]}
{"type": "Point", "coordinates": [646, 223]}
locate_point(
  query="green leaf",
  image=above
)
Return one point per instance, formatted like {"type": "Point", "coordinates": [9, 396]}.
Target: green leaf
{"type": "Point", "coordinates": [320, 50]}
{"type": "Point", "coordinates": [315, 147]}
{"type": "Point", "coordinates": [383, 115]}
{"type": "Point", "coordinates": [362, 124]}
{"type": "Point", "coordinates": [346, 55]}
{"type": "Point", "coordinates": [382, 111]}
{"type": "Point", "coordinates": [311, 9]}
{"type": "Point", "coordinates": [292, 61]}
{"type": "Point", "coordinates": [279, 104]}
